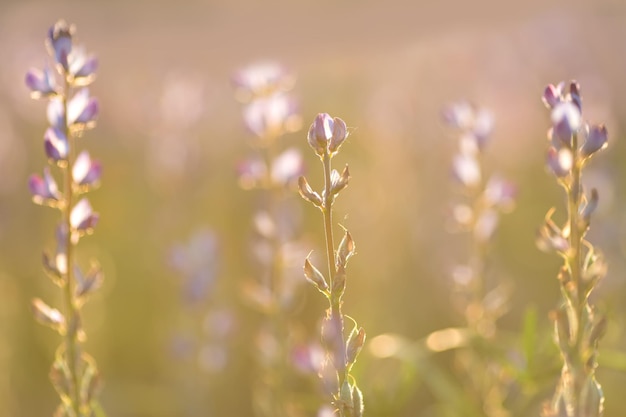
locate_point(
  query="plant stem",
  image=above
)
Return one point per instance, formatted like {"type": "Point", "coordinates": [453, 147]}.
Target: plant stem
{"type": "Point", "coordinates": [328, 222]}
{"type": "Point", "coordinates": [72, 348]}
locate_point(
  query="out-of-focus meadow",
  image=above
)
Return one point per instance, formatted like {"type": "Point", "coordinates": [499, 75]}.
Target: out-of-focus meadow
{"type": "Point", "coordinates": [170, 137]}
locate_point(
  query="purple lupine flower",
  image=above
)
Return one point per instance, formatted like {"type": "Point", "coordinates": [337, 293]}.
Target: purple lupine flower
{"type": "Point", "coordinates": [566, 120]}
{"type": "Point", "coordinates": [82, 66]}
{"type": "Point", "coordinates": [266, 116]}
{"type": "Point", "coordinates": [500, 192]}
{"type": "Point", "coordinates": [82, 217]}
{"type": "Point", "coordinates": [477, 123]}
{"type": "Point", "coordinates": [553, 95]}
{"type": "Point", "coordinates": [56, 144]}
{"type": "Point", "coordinates": [85, 170]}
{"type": "Point", "coordinates": [43, 188]}
{"type": "Point", "coordinates": [41, 83]}
{"type": "Point", "coordinates": [597, 139]}
{"type": "Point", "coordinates": [82, 109]}
{"type": "Point", "coordinates": [287, 166]}
{"type": "Point", "coordinates": [60, 42]}
{"type": "Point", "coordinates": [560, 161]}
{"type": "Point", "coordinates": [56, 113]}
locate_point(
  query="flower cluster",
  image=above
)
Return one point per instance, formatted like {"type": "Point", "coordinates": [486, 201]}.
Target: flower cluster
{"type": "Point", "coordinates": [482, 200]}
{"type": "Point", "coordinates": [478, 212]}
{"type": "Point", "coordinates": [71, 112]}
{"type": "Point", "coordinates": [269, 113]}
{"type": "Point", "coordinates": [578, 326]}
{"type": "Point", "coordinates": [325, 136]}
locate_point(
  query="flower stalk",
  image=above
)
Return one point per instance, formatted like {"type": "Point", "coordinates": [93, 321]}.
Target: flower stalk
{"type": "Point", "coordinates": [578, 325]}
{"type": "Point", "coordinates": [74, 373]}
{"type": "Point", "coordinates": [326, 135]}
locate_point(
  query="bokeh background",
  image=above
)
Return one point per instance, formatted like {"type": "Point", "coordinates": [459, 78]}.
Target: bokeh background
{"type": "Point", "coordinates": [170, 136]}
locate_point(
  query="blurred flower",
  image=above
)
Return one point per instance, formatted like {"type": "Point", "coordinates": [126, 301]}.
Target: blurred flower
{"type": "Point", "coordinates": [82, 66]}
{"type": "Point", "coordinates": [82, 109]}
{"type": "Point", "coordinates": [82, 217]}
{"type": "Point", "coordinates": [596, 139]}
{"type": "Point", "coordinates": [85, 170]}
{"type": "Point", "coordinates": [56, 144]}
{"type": "Point", "coordinates": [466, 170]}
{"type": "Point", "coordinates": [500, 193]}
{"type": "Point", "coordinates": [41, 83]}
{"type": "Point", "coordinates": [476, 123]}
{"type": "Point", "coordinates": [196, 260]}
{"type": "Point", "coordinates": [272, 115]}
{"type": "Point", "coordinates": [60, 42]}
{"type": "Point", "coordinates": [44, 189]}
{"type": "Point", "coordinates": [262, 78]}
{"type": "Point", "coordinates": [287, 167]}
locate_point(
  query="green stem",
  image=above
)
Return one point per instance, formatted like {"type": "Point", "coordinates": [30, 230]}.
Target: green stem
{"type": "Point", "coordinates": [72, 347]}
{"type": "Point", "coordinates": [336, 315]}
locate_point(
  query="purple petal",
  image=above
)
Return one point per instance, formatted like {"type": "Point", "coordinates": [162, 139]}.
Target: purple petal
{"type": "Point", "coordinates": [60, 38]}
{"type": "Point", "coordinates": [56, 113]}
{"type": "Point", "coordinates": [86, 171]}
{"type": "Point", "coordinates": [82, 109]}
{"type": "Point", "coordinates": [41, 83]}
{"type": "Point", "coordinates": [560, 162]}
{"type": "Point", "coordinates": [55, 144]}
{"type": "Point", "coordinates": [597, 139]}
{"type": "Point", "coordinates": [44, 188]}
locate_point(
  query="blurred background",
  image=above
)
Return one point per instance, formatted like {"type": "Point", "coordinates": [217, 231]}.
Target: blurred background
{"type": "Point", "coordinates": [170, 137]}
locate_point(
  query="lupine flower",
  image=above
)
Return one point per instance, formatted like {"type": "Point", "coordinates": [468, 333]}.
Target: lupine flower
{"type": "Point", "coordinates": [327, 133]}
{"type": "Point", "coordinates": [287, 167]}
{"type": "Point", "coordinates": [85, 170]}
{"type": "Point", "coordinates": [55, 144]}
{"type": "Point", "coordinates": [82, 66]}
{"type": "Point", "coordinates": [261, 79]}
{"type": "Point", "coordinates": [82, 109]}
{"type": "Point", "coordinates": [60, 42]}
{"type": "Point", "coordinates": [56, 113]}
{"type": "Point", "coordinates": [41, 83]}
{"type": "Point", "coordinates": [44, 189]}
{"type": "Point", "coordinates": [82, 217]}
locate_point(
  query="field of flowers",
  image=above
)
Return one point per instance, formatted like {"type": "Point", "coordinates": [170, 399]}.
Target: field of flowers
{"type": "Point", "coordinates": [313, 208]}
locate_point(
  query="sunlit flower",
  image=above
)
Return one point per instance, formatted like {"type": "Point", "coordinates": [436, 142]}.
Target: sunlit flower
{"type": "Point", "coordinates": [82, 217]}
{"type": "Point", "coordinates": [85, 170]}
{"type": "Point", "coordinates": [44, 188]}
{"type": "Point", "coordinates": [82, 109]}
{"type": "Point", "coordinates": [41, 83]}
{"type": "Point", "coordinates": [56, 144]}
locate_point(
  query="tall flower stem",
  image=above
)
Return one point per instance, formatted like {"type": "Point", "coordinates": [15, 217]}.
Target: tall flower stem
{"type": "Point", "coordinates": [326, 135]}
{"type": "Point", "coordinates": [72, 313]}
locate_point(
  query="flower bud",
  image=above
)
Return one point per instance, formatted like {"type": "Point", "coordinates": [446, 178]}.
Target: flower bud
{"type": "Point", "coordinates": [552, 95]}
{"type": "Point", "coordinates": [357, 402]}
{"type": "Point", "coordinates": [320, 132]}
{"type": "Point", "coordinates": [340, 133]}
{"type": "Point", "coordinates": [60, 42]}
{"type": "Point", "coordinates": [307, 192]}
{"type": "Point", "coordinates": [339, 283]}
{"type": "Point", "coordinates": [44, 189]}
{"type": "Point", "coordinates": [345, 250]}
{"type": "Point", "coordinates": [339, 182]}
{"type": "Point", "coordinates": [48, 316]}
{"type": "Point", "coordinates": [355, 343]}
{"type": "Point", "coordinates": [314, 276]}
